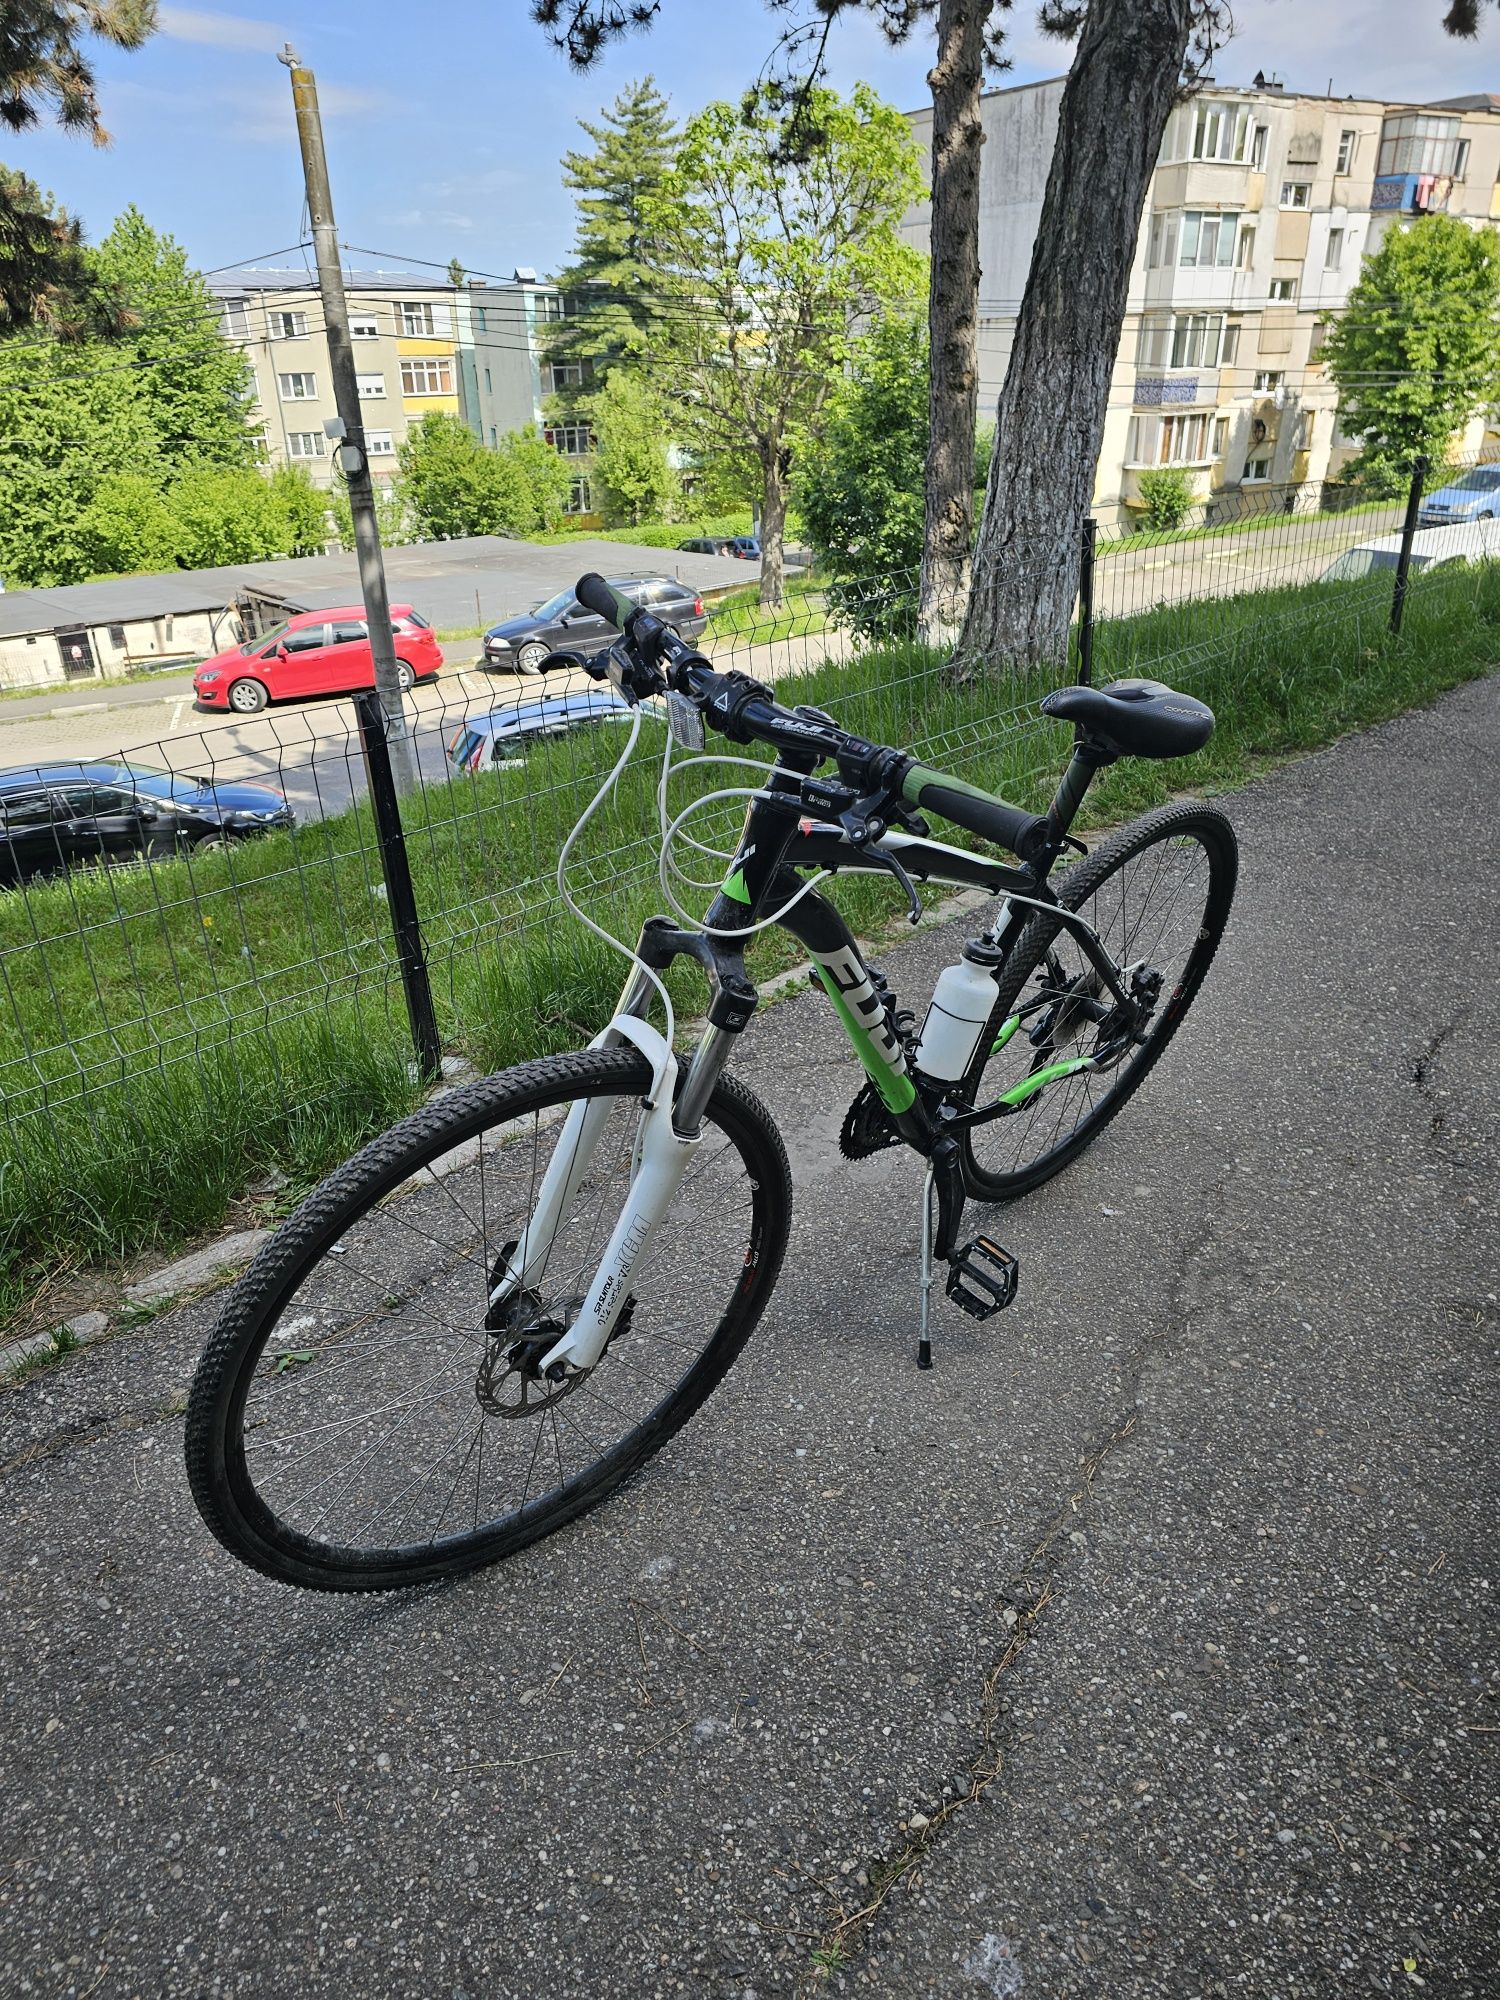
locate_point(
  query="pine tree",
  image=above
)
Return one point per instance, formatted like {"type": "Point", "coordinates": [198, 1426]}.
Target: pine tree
{"type": "Point", "coordinates": [611, 289]}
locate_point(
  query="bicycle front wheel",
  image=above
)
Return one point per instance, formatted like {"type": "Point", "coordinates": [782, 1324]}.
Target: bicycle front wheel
{"type": "Point", "coordinates": [355, 1424]}
{"type": "Point", "coordinates": [1158, 894]}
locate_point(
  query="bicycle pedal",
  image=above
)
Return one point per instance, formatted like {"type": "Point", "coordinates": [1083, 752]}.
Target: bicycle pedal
{"type": "Point", "coordinates": [982, 1277]}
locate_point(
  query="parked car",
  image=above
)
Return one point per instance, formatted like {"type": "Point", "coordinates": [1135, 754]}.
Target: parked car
{"type": "Point", "coordinates": [519, 645]}
{"type": "Point", "coordinates": [1473, 496]}
{"type": "Point", "coordinates": [746, 547]}
{"type": "Point", "coordinates": [57, 816]}
{"type": "Point", "coordinates": [314, 652]}
{"type": "Point", "coordinates": [509, 732]}
{"type": "Point", "coordinates": [1431, 548]}
{"type": "Point", "coordinates": [700, 547]}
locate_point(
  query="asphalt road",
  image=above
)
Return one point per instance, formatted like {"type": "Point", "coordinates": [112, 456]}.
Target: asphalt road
{"type": "Point", "coordinates": [1210, 1514]}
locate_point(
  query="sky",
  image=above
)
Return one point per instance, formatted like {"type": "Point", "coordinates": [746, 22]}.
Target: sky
{"type": "Point", "coordinates": [445, 122]}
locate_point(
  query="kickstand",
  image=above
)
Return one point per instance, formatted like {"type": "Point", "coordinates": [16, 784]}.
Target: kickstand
{"type": "Point", "coordinates": [924, 1343]}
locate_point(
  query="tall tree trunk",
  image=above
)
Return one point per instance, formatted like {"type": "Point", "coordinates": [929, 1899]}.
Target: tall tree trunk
{"type": "Point", "coordinates": [956, 80]}
{"type": "Point", "coordinates": [773, 466]}
{"type": "Point", "coordinates": [1050, 420]}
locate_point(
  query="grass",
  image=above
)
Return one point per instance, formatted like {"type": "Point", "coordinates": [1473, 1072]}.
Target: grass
{"type": "Point", "coordinates": [740, 614]}
{"type": "Point", "coordinates": [1248, 524]}
{"type": "Point", "coordinates": [168, 1034]}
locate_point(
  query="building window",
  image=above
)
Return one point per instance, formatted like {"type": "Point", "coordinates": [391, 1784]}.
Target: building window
{"type": "Point", "coordinates": [297, 388]}
{"type": "Point", "coordinates": [117, 637]}
{"type": "Point", "coordinates": [572, 440]}
{"type": "Point", "coordinates": [432, 375]}
{"type": "Point", "coordinates": [369, 386]}
{"type": "Point", "coordinates": [1256, 469]}
{"type": "Point", "coordinates": [1417, 143]}
{"type": "Point", "coordinates": [1221, 436]}
{"type": "Point", "coordinates": [234, 318]}
{"type": "Point", "coordinates": [421, 320]}
{"type": "Point", "coordinates": [551, 305]}
{"type": "Point", "coordinates": [1258, 146]}
{"type": "Point", "coordinates": [304, 444]}
{"type": "Point", "coordinates": [1284, 289]}
{"type": "Point", "coordinates": [1267, 380]}
{"type": "Point", "coordinates": [1347, 142]}
{"type": "Point", "coordinates": [580, 498]}
{"type": "Point", "coordinates": [1206, 239]}
{"type": "Point", "coordinates": [1182, 440]}
{"type": "Point", "coordinates": [1461, 160]}
{"type": "Point", "coordinates": [487, 389]}
{"type": "Point", "coordinates": [481, 321]}
{"type": "Point", "coordinates": [1333, 256]}
{"type": "Point", "coordinates": [565, 375]}
{"type": "Point", "coordinates": [494, 436]}
{"type": "Point", "coordinates": [287, 325]}
{"type": "Point", "coordinates": [1315, 345]}
{"type": "Point", "coordinates": [1245, 255]}
{"type": "Point", "coordinates": [379, 444]}
{"type": "Point", "coordinates": [1197, 340]}
{"type": "Point", "coordinates": [1296, 194]}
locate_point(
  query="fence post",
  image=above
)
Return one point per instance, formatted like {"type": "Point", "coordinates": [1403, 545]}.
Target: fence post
{"type": "Point", "coordinates": [1086, 603]}
{"type": "Point", "coordinates": [1408, 529]}
{"type": "Point", "coordinates": [399, 893]}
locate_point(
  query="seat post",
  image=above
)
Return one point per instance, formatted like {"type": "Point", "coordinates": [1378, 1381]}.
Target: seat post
{"type": "Point", "coordinates": [1089, 756]}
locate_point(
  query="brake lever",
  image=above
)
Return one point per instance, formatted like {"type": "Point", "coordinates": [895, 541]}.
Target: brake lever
{"type": "Point", "coordinates": [888, 860]}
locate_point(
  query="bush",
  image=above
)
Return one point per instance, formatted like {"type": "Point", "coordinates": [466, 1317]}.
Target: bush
{"type": "Point", "coordinates": [1167, 493]}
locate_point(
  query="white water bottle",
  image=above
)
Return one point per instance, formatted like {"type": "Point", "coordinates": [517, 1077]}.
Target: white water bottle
{"type": "Point", "coordinates": [962, 1002]}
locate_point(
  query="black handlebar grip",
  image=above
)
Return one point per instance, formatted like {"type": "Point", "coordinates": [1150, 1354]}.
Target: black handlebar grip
{"type": "Point", "coordinates": [596, 595]}
{"type": "Point", "coordinates": [1025, 834]}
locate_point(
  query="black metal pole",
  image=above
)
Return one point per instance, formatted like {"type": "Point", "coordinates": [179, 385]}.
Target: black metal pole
{"type": "Point", "coordinates": [1408, 529]}
{"type": "Point", "coordinates": [1086, 604]}
{"type": "Point", "coordinates": [399, 893]}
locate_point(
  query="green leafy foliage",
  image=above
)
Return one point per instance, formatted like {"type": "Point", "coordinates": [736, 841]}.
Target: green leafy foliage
{"type": "Point", "coordinates": [1167, 494]}
{"type": "Point", "coordinates": [44, 61]}
{"type": "Point", "coordinates": [631, 465]}
{"type": "Point", "coordinates": [611, 290]}
{"type": "Point", "coordinates": [859, 484]}
{"type": "Point", "coordinates": [164, 395]}
{"type": "Point", "coordinates": [1416, 350]}
{"type": "Point", "coordinates": [128, 527]}
{"type": "Point", "coordinates": [45, 277]}
{"type": "Point", "coordinates": [453, 485]}
{"type": "Point", "coordinates": [772, 249]}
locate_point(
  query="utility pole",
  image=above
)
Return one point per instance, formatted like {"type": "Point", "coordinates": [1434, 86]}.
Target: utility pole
{"type": "Point", "coordinates": [351, 442]}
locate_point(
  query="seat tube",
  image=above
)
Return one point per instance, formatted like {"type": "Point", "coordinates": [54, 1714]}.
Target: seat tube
{"type": "Point", "coordinates": [1087, 758]}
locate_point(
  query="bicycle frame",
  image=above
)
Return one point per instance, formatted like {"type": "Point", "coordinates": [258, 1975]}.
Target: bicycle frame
{"type": "Point", "coordinates": [776, 844]}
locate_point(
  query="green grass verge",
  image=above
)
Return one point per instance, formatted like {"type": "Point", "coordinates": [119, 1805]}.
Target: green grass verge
{"type": "Point", "coordinates": [1393, 508]}
{"type": "Point", "coordinates": [741, 615]}
{"type": "Point", "coordinates": [166, 1034]}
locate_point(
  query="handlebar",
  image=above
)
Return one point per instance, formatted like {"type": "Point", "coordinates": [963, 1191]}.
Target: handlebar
{"type": "Point", "coordinates": [740, 708]}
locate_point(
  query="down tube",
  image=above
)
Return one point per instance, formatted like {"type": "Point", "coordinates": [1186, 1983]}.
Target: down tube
{"type": "Point", "coordinates": [849, 984]}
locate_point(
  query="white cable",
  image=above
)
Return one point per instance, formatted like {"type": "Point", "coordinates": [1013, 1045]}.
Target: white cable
{"type": "Point", "coordinates": [721, 930]}
{"type": "Point", "coordinates": [625, 950]}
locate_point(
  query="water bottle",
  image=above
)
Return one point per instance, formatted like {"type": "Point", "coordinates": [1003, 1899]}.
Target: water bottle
{"type": "Point", "coordinates": [962, 1002]}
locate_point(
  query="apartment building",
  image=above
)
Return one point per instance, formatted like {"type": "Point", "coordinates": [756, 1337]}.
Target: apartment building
{"type": "Point", "coordinates": [420, 345]}
{"type": "Point", "coordinates": [1263, 204]}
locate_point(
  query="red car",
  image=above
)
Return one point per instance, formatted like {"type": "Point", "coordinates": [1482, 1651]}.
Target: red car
{"type": "Point", "coordinates": [315, 652]}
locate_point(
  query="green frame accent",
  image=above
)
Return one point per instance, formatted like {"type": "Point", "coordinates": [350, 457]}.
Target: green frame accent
{"type": "Point", "coordinates": [735, 888]}
{"type": "Point", "coordinates": [1039, 1079]}
{"type": "Point", "coordinates": [897, 1092]}
{"type": "Point", "coordinates": [1007, 1029]}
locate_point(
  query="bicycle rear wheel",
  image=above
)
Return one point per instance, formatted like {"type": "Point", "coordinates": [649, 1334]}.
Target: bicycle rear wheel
{"type": "Point", "coordinates": [1158, 894]}
{"type": "Point", "coordinates": [354, 1424]}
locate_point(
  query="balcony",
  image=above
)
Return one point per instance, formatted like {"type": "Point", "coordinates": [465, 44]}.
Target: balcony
{"type": "Point", "coordinates": [1153, 391]}
{"type": "Point", "coordinates": [1411, 194]}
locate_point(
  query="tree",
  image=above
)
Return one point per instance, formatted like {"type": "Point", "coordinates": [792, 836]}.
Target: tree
{"type": "Point", "coordinates": [304, 510]}
{"type": "Point", "coordinates": [44, 67]}
{"type": "Point", "coordinates": [609, 291]}
{"type": "Point", "coordinates": [631, 464]}
{"type": "Point", "coordinates": [1416, 349]}
{"type": "Point", "coordinates": [456, 272]}
{"type": "Point", "coordinates": [128, 527]}
{"type": "Point", "coordinates": [771, 256]}
{"type": "Point", "coordinates": [228, 514]}
{"type": "Point", "coordinates": [1050, 420]}
{"type": "Point", "coordinates": [859, 487]}
{"type": "Point", "coordinates": [454, 485]}
{"type": "Point", "coordinates": [198, 385]}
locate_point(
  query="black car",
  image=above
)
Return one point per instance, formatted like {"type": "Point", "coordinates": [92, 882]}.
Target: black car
{"type": "Point", "coordinates": [519, 645]}
{"type": "Point", "coordinates": [57, 816]}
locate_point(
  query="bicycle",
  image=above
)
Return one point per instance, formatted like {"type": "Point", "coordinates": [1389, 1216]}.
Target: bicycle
{"type": "Point", "coordinates": [480, 1325]}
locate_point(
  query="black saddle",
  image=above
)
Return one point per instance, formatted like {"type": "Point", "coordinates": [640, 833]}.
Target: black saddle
{"type": "Point", "coordinates": [1135, 718]}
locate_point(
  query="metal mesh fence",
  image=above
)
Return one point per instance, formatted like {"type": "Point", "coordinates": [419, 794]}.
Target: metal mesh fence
{"type": "Point", "coordinates": [172, 1020]}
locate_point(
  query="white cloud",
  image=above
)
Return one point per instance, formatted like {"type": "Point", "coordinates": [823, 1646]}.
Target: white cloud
{"type": "Point", "coordinates": [220, 31]}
